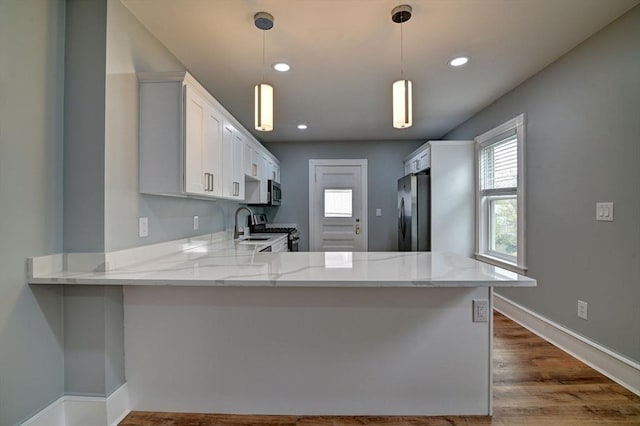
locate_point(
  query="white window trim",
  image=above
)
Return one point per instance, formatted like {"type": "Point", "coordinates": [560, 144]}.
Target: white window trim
{"type": "Point", "coordinates": [517, 125]}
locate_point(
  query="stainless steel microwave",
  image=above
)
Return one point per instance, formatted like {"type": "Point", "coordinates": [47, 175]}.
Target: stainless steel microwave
{"type": "Point", "coordinates": [275, 193]}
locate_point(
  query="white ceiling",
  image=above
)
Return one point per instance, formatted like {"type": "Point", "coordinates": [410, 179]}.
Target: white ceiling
{"type": "Point", "coordinates": [345, 54]}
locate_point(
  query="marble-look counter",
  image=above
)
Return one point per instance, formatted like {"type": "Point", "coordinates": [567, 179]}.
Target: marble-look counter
{"type": "Point", "coordinates": [230, 263]}
{"type": "Point", "coordinates": [211, 324]}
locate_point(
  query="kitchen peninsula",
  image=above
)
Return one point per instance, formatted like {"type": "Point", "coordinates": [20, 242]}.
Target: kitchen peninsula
{"type": "Point", "coordinates": [213, 325]}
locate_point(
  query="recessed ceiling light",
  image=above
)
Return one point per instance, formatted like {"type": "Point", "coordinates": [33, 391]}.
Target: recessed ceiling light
{"type": "Point", "coordinates": [459, 61]}
{"type": "Point", "coordinates": [302, 126]}
{"type": "Point", "coordinates": [281, 66]}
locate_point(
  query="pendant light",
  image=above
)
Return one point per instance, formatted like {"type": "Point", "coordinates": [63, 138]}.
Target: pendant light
{"type": "Point", "coordinates": [402, 89]}
{"type": "Point", "coordinates": [263, 92]}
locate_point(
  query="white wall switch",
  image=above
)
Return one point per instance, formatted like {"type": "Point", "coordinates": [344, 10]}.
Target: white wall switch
{"type": "Point", "coordinates": [582, 310]}
{"type": "Point", "coordinates": [378, 212]}
{"type": "Point", "coordinates": [143, 227]}
{"type": "Point", "coordinates": [480, 310]}
{"type": "Point", "coordinates": [196, 222]}
{"type": "Point", "coordinates": [604, 212]}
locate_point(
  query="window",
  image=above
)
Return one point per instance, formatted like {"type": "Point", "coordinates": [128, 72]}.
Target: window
{"type": "Point", "coordinates": [500, 198]}
{"type": "Point", "coordinates": [338, 202]}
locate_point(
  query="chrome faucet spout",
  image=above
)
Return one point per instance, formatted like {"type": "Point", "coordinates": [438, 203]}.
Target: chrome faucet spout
{"type": "Point", "coordinates": [236, 230]}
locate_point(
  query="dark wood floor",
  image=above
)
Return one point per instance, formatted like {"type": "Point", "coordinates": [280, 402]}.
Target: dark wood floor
{"type": "Point", "coordinates": [534, 384]}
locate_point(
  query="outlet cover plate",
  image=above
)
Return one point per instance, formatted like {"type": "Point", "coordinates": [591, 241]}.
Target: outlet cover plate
{"type": "Point", "coordinates": [583, 310]}
{"type": "Point", "coordinates": [480, 310]}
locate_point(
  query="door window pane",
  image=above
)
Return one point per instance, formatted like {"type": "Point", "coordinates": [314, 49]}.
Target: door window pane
{"type": "Point", "coordinates": [503, 214]}
{"type": "Point", "coordinates": [338, 202]}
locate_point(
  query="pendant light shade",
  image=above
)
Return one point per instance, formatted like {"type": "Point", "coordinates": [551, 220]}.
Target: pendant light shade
{"type": "Point", "coordinates": [402, 89]}
{"type": "Point", "coordinates": [402, 104]}
{"type": "Point", "coordinates": [264, 107]}
{"type": "Point", "coordinates": [263, 92]}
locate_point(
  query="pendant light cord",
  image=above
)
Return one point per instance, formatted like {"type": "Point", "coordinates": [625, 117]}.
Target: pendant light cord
{"type": "Point", "coordinates": [263, 31]}
{"type": "Point", "coordinates": [401, 49]}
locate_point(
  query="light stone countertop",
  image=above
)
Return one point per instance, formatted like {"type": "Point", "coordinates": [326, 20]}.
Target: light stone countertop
{"type": "Point", "coordinates": [231, 263]}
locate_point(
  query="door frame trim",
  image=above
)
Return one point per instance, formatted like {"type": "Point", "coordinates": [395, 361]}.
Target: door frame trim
{"type": "Point", "coordinates": [364, 220]}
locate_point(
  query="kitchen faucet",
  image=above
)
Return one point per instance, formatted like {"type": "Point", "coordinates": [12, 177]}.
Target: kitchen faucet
{"type": "Point", "coordinates": [236, 231]}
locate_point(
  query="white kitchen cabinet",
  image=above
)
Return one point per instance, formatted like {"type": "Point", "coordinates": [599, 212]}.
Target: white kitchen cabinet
{"type": "Point", "coordinates": [273, 170]}
{"type": "Point", "coordinates": [256, 186]}
{"type": "Point", "coordinates": [203, 146]}
{"type": "Point", "coordinates": [232, 168]}
{"type": "Point", "coordinates": [262, 168]}
{"type": "Point", "coordinates": [418, 161]}
{"type": "Point", "coordinates": [180, 144]}
{"type": "Point", "coordinates": [280, 246]}
{"type": "Point", "coordinates": [191, 146]}
{"type": "Point", "coordinates": [250, 160]}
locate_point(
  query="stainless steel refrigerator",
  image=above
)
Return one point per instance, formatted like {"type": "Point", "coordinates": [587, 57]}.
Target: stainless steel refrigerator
{"type": "Point", "coordinates": [414, 213]}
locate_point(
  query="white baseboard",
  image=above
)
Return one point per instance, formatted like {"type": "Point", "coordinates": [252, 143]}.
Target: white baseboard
{"type": "Point", "coordinates": [71, 410]}
{"type": "Point", "coordinates": [51, 415]}
{"type": "Point", "coordinates": [616, 367]}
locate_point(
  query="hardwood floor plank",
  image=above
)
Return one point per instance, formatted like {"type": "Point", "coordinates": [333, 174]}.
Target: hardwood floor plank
{"type": "Point", "coordinates": [535, 383]}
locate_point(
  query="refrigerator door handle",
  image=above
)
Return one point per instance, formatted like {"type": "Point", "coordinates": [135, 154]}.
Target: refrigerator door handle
{"type": "Point", "coordinates": [402, 220]}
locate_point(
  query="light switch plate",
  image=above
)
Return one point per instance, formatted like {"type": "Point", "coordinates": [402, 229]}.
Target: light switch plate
{"type": "Point", "coordinates": [604, 212]}
{"type": "Point", "coordinates": [143, 227]}
{"type": "Point", "coordinates": [378, 212]}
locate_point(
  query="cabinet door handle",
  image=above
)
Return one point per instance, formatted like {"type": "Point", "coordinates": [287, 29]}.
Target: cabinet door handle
{"type": "Point", "coordinates": [254, 169]}
{"type": "Point", "coordinates": [212, 181]}
{"type": "Point", "coordinates": [206, 185]}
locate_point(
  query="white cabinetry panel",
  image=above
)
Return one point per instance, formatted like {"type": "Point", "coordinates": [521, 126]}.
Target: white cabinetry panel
{"type": "Point", "coordinates": [191, 146]}
{"type": "Point", "coordinates": [203, 146]}
{"type": "Point", "coordinates": [232, 167]}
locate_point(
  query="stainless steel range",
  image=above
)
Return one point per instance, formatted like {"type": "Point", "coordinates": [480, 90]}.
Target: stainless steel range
{"type": "Point", "coordinates": [258, 225]}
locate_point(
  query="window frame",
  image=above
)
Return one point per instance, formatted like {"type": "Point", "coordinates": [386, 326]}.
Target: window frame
{"type": "Point", "coordinates": [513, 127]}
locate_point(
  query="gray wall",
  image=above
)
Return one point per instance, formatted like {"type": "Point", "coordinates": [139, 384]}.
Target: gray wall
{"type": "Point", "coordinates": [31, 125]}
{"type": "Point", "coordinates": [121, 47]}
{"type": "Point", "coordinates": [131, 48]}
{"type": "Point", "coordinates": [583, 146]}
{"type": "Point", "coordinates": [84, 109]}
{"type": "Point", "coordinates": [384, 168]}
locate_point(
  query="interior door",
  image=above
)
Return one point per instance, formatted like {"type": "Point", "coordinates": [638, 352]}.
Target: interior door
{"type": "Point", "coordinates": [338, 205]}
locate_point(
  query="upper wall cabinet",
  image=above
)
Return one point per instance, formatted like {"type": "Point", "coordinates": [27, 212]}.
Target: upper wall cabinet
{"type": "Point", "coordinates": [418, 160]}
{"type": "Point", "coordinates": [232, 166]}
{"type": "Point", "coordinates": [189, 144]}
{"type": "Point", "coordinates": [202, 146]}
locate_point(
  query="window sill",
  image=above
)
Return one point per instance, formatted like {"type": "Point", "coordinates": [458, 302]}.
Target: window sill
{"type": "Point", "coordinates": [501, 263]}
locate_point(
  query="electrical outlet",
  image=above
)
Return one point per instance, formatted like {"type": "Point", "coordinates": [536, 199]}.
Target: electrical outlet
{"type": "Point", "coordinates": [582, 310]}
{"type": "Point", "coordinates": [378, 212]}
{"type": "Point", "coordinates": [480, 310]}
{"type": "Point", "coordinates": [143, 227]}
{"type": "Point", "coordinates": [196, 223]}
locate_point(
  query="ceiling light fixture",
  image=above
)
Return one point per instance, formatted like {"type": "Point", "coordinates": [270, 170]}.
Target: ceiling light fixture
{"type": "Point", "coordinates": [263, 92]}
{"type": "Point", "coordinates": [302, 126]}
{"type": "Point", "coordinates": [281, 66]}
{"type": "Point", "coordinates": [459, 61]}
{"type": "Point", "coordinates": [402, 89]}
